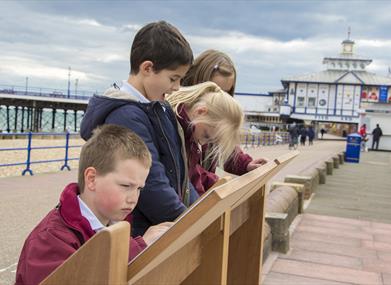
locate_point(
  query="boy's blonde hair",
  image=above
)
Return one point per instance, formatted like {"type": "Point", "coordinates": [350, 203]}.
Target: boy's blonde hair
{"type": "Point", "coordinates": [224, 114]}
{"type": "Point", "coordinates": [208, 64]}
{"type": "Point", "coordinates": [108, 145]}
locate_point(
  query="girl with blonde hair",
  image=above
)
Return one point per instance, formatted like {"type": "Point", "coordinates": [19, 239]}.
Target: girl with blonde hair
{"type": "Point", "coordinates": [208, 115]}
{"type": "Point", "coordinates": [216, 66]}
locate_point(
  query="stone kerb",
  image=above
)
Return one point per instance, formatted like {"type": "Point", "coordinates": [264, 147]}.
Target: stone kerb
{"type": "Point", "coordinates": [341, 157]}
{"type": "Point", "coordinates": [336, 161]}
{"type": "Point", "coordinates": [314, 174]}
{"type": "Point", "coordinates": [306, 181]}
{"type": "Point", "coordinates": [286, 199]}
{"type": "Point", "coordinates": [299, 188]}
{"type": "Point", "coordinates": [322, 171]}
{"type": "Point", "coordinates": [329, 166]}
{"type": "Point", "coordinates": [267, 242]}
{"type": "Point", "coordinates": [282, 206]}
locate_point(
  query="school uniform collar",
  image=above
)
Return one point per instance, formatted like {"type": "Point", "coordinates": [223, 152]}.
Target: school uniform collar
{"type": "Point", "coordinates": [128, 88]}
{"type": "Point", "coordinates": [86, 212]}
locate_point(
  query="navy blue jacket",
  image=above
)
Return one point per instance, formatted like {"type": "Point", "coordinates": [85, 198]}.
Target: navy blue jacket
{"type": "Point", "coordinates": [167, 192]}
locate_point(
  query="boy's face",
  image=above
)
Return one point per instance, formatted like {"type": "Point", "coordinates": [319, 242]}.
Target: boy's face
{"type": "Point", "coordinates": [166, 81]}
{"type": "Point", "coordinates": [117, 192]}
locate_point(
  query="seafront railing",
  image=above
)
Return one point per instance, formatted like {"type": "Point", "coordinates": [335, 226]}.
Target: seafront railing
{"type": "Point", "coordinates": [247, 140]}
{"type": "Point", "coordinates": [47, 92]}
{"type": "Point", "coordinates": [263, 139]}
{"type": "Point", "coordinates": [29, 149]}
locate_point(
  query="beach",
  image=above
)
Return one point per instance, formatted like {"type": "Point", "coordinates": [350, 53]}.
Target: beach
{"type": "Point", "coordinates": [15, 156]}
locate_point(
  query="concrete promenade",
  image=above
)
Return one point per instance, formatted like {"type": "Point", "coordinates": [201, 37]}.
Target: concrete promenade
{"type": "Point", "coordinates": [344, 237]}
{"type": "Point", "coordinates": [25, 200]}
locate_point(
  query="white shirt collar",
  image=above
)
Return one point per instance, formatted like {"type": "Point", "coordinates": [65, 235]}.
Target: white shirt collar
{"type": "Point", "coordinates": [86, 212]}
{"type": "Point", "coordinates": [128, 88]}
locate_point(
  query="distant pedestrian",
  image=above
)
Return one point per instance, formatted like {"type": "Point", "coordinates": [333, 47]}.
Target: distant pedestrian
{"type": "Point", "coordinates": [364, 138]}
{"type": "Point", "coordinates": [376, 134]}
{"type": "Point", "coordinates": [311, 135]}
{"type": "Point", "coordinates": [322, 132]}
{"type": "Point", "coordinates": [294, 136]}
{"type": "Point", "coordinates": [303, 135]}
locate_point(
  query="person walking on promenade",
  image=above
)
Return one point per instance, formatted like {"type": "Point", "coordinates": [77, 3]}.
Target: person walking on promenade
{"type": "Point", "coordinates": [294, 136]}
{"type": "Point", "coordinates": [322, 132]}
{"type": "Point", "coordinates": [303, 135]}
{"type": "Point", "coordinates": [311, 135]}
{"type": "Point", "coordinates": [376, 134]}
{"type": "Point", "coordinates": [364, 138]}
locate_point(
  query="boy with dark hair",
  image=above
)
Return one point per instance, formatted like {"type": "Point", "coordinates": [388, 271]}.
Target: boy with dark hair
{"type": "Point", "coordinates": [114, 165]}
{"type": "Point", "coordinates": [159, 58]}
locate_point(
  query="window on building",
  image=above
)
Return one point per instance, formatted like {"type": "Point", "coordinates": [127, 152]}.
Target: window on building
{"type": "Point", "coordinates": [300, 101]}
{"type": "Point", "coordinates": [311, 102]}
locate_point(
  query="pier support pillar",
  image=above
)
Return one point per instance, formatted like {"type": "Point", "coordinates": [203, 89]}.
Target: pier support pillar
{"type": "Point", "coordinates": [8, 118]}
{"type": "Point", "coordinates": [22, 123]}
{"type": "Point", "coordinates": [75, 117]}
{"type": "Point", "coordinates": [53, 119]}
{"type": "Point", "coordinates": [65, 119]}
{"type": "Point", "coordinates": [16, 119]}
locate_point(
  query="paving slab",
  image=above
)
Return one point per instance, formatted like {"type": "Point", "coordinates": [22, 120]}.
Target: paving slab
{"type": "Point", "coordinates": [330, 256]}
{"type": "Point", "coordinates": [345, 233]}
{"type": "Point", "coordinates": [361, 191]}
{"type": "Point", "coordinates": [24, 202]}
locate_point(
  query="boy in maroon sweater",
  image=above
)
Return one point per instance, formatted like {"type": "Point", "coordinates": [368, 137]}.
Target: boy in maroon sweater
{"type": "Point", "coordinates": [113, 167]}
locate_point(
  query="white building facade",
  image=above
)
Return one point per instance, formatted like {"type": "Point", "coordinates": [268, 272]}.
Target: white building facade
{"type": "Point", "coordinates": [259, 109]}
{"type": "Point", "coordinates": [343, 93]}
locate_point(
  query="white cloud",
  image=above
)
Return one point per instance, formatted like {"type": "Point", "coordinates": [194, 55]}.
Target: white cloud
{"type": "Point", "coordinates": [241, 42]}
{"type": "Point", "coordinates": [96, 43]}
{"type": "Point", "coordinates": [28, 67]}
{"type": "Point", "coordinates": [89, 22]}
{"type": "Point", "coordinates": [374, 43]}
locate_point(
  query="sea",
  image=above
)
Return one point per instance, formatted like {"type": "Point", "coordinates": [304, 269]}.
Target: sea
{"type": "Point", "coordinates": [46, 121]}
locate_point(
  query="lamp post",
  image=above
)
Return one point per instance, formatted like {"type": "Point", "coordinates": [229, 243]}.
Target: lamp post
{"type": "Point", "coordinates": [76, 85]}
{"type": "Point", "coordinates": [27, 85]}
{"type": "Point", "coordinates": [69, 81]}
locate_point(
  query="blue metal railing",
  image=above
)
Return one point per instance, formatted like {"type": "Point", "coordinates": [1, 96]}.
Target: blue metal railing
{"type": "Point", "coordinates": [264, 138]}
{"type": "Point", "coordinates": [29, 149]}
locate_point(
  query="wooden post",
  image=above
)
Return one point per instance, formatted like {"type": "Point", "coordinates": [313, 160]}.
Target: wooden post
{"type": "Point", "coordinates": [246, 243]}
{"type": "Point", "coordinates": [101, 260]}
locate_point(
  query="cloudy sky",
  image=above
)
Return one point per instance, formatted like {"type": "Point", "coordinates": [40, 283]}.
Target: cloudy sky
{"type": "Point", "coordinates": [267, 40]}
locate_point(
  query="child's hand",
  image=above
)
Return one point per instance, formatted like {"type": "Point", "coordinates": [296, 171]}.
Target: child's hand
{"type": "Point", "coordinates": [154, 232]}
{"type": "Point", "coordinates": [256, 163]}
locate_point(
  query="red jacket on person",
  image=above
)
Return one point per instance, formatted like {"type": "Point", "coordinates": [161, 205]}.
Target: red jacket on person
{"type": "Point", "coordinates": [363, 131]}
{"type": "Point", "coordinates": [201, 178]}
{"type": "Point", "coordinates": [58, 236]}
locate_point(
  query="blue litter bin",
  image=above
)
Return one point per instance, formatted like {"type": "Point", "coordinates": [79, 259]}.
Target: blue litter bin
{"type": "Point", "coordinates": [353, 147]}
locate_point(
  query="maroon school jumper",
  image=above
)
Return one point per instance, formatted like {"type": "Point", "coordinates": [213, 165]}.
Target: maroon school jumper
{"type": "Point", "coordinates": [58, 236]}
